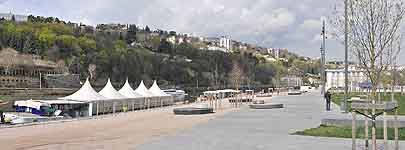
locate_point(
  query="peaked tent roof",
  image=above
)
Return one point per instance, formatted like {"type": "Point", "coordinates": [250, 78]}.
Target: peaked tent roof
{"type": "Point", "coordinates": [128, 92]}
{"type": "Point", "coordinates": [156, 90]}
{"type": "Point", "coordinates": [142, 90]}
{"type": "Point", "coordinates": [110, 92]}
{"type": "Point", "coordinates": [86, 94]}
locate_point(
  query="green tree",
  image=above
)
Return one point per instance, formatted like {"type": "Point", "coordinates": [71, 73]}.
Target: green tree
{"type": "Point", "coordinates": [47, 38]}
{"type": "Point", "coordinates": [13, 18]}
{"type": "Point", "coordinates": [147, 29]}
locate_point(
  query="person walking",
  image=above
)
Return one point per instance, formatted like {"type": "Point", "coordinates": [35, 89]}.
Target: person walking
{"type": "Point", "coordinates": [1, 117]}
{"type": "Point", "coordinates": [327, 98]}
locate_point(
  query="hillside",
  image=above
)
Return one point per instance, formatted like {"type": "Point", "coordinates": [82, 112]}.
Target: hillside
{"type": "Point", "coordinates": [123, 51]}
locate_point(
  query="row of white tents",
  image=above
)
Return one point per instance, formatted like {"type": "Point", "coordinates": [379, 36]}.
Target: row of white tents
{"type": "Point", "coordinates": [109, 100]}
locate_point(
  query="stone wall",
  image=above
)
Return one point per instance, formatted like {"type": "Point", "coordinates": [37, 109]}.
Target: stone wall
{"type": "Point", "coordinates": [36, 92]}
{"type": "Point", "coordinates": [62, 81]}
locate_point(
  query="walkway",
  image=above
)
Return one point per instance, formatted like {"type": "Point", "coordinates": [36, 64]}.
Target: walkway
{"type": "Point", "coordinates": [258, 129]}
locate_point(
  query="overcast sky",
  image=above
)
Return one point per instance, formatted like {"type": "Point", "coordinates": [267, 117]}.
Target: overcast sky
{"type": "Point", "coordinates": [291, 24]}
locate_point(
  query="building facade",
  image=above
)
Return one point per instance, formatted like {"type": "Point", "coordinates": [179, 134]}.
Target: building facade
{"type": "Point", "coordinates": [292, 81]}
{"type": "Point", "coordinates": [276, 52]}
{"type": "Point", "coordinates": [18, 18]}
{"type": "Point", "coordinates": [335, 78]}
{"type": "Point", "coordinates": [225, 42]}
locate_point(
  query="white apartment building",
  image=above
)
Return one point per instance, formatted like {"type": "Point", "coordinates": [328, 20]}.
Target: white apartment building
{"type": "Point", "coordinates": [275, 52]}
{"type": "Point", "coordinates": [225, 42]}
{"type": "Point", "coordinates": [215, 48]}
{"type": "Point", "coordinates": [335, 78]}
{"type": "Point", "coordinates": [171, 39]}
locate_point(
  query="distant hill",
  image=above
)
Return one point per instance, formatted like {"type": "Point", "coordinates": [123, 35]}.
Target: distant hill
{"type": "Point", "coordinates": [121, 51]}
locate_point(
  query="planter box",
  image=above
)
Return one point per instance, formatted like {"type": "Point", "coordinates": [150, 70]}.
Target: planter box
{"type": "Point", "coordinates": [368, 105]}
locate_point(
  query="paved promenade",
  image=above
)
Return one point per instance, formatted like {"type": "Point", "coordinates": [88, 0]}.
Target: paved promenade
{"type": "Point", "coordinates": [258, 129]}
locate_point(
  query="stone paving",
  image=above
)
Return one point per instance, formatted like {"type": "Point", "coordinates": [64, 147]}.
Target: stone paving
{"type": "Point", "coordinates": [249, 129]}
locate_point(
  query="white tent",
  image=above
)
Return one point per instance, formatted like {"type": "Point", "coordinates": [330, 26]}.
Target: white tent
{"type": "Point", "coordinates": [154, 89]}
{"type": "Point", "coordinates": [128, 92]}
{"type": "Point", "coordinates": [110, 92]}
{"type": "Point", "coordinates": [142, 90]}
{"type": "Point", "coordinates": [85, 94]}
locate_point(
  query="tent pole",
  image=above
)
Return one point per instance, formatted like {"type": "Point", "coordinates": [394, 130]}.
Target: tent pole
{"type": "Point", "coordinates": [144, 103]}
{"type": "Point", "coordinates": [161, 102]}
{"type": "Point", "coordinates": [148, 103]}
{"type": "Point", "coordinates": [133, 105]}
{"type": "Point", "coordinates": [97, 109]}
{"type": "Point", "coordinates": [113, 107]}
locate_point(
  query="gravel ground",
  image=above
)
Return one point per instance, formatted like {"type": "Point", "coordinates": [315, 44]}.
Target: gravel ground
{"type": "Point", "coordinates": [124, 131]}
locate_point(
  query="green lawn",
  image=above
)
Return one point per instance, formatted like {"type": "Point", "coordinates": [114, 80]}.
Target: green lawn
{"type": "Point", "coordinates": [338, 97]}
{"type": "Point", "coordinates": [346, 132]}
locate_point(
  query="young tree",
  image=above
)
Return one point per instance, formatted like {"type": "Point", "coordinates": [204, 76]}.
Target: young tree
{"type": "Point", "coordinates": [373, 33]}
{"type": "Point", "coordinates": [13, 18]}
{"type": "Point", "coordinates": [131, 35]}
{"type": "Point", "coordinates": [147, 29]}
{"type": "Point", "coordinates": [374, 27]}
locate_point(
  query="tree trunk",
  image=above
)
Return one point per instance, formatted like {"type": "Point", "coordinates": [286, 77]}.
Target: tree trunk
{"type": "Point", "coordinates": [396, 129]}
{"type": "Point", "coordinates": [385, 131]}
{"type": "Point", "coordinates": [373, 135]}
{"type": "Point", "coordinates": [373, 128]}
{"type": "Point", "coordinates": [354, 130]}
{"type": "Point", "coordinates": [366, 129]}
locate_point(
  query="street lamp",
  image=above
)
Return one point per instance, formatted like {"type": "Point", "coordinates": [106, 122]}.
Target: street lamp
{"type": "Point", "coordinates": [344, 104]}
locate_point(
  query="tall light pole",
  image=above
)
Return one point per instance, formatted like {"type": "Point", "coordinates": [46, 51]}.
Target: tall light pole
{"type": "Point", "coordinates": [323, 46]}
{"type": "Point", "coordinates": [344, 105]}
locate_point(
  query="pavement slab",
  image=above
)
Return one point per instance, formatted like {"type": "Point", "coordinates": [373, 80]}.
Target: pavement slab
{"type": "Point", "coordinates": [260, 129]}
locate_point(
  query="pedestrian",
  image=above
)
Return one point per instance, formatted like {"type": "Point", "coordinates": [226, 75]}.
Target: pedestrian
{"type": "Point", "coordinates": [1, 117]}
{"type": "Point", "coordinates": [327, 98]}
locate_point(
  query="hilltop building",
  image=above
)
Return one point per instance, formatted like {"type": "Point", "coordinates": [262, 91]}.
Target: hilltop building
{"type": "Point", "coordinates": [276, 52]}
{"type": "Point", "coordinates": [171, 39]}
{"type": "Point", "coordinates": [18, 18]}
{"type": "Point", "coordinates": [225, 42]}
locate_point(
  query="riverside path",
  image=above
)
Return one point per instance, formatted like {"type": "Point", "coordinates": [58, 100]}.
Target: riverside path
{"type": "Point", "coordinates": [249, 129]}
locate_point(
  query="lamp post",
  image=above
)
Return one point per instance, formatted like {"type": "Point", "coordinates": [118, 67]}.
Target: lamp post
{"type": "Point", "coordinates": [323, 46]}
{"type": "Point", "coordinates": [344, 104]}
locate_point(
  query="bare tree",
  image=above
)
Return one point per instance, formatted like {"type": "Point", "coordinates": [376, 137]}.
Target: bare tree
{"type": "Point", "coordinates": [236, 75]}
{"type": "Point", "coordinates": [92, 70]}
{"type": "Point", "coordinates": [374, 27]}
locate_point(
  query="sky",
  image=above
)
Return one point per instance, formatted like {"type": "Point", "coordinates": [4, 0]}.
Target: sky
{"type": "Point", "coordinates": [292, 24]}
